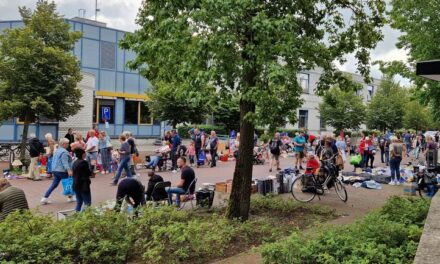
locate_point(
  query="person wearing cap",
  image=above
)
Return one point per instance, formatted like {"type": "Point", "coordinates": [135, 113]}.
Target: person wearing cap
{"type": "Point", "coordinates": [11, 199]}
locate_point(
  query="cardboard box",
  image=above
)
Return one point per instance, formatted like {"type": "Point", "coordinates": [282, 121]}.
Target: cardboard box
{"type": "Point", "coordinates": [221, 187]}
{"type": "Point", "coordinates": [229, 186]}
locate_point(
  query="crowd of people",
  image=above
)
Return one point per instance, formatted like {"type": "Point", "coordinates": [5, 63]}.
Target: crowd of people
{"type": "Point", "coordinates": [80, 158]}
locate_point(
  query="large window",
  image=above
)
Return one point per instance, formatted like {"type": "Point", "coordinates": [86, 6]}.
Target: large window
{"type": "Point", "coordinates": [131, 112]}
{"type": "Point", "coordinates": [303, 119]}
{"type": "Point", "coordinates": [101, 106]}
{"type": "Point", "coordinates": [322, 124]}
{"type": "Point", "coordinates": [304, 82]}
{"type": "Point", "coordinates": [137, 113]}
{"type": "Point", "coordinates": [108, 55]}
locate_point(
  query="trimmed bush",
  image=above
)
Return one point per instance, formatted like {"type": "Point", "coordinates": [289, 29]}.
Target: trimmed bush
{"type": "Point", "coordinates": [389, 235]}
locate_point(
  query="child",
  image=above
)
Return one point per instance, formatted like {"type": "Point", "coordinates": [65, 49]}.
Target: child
{"type": "Point", "coordinates": [312, 164]}
{"type": "Point", "coordinates": [191, 152]}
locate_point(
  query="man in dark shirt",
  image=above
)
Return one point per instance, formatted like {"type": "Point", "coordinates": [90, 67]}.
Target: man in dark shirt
{"type": "Point", "coordinates": [70, 137]}
{"type": "Point", "coordinates": [199, 142]}
{"type": "Point", "coordinates": [81, 180]}
{"type": "Point", "coordinates": [159, 194]}
{"type": "Point", "coordinates": [35, 150]}
{"type": "Point", "coordinates": [186, 178]}
{"type": "Point", "coordinates": [176, 141]}
{"type": "Point", "coordinates": [132, 190]}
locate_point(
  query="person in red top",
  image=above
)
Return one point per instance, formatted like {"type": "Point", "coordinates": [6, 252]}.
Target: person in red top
{"type": "Point", "coordinates": [313, 165]}
{"type": "Point", "coordinates": [95, 127]}
{"type": "Point", "coordinates": [362, 151]}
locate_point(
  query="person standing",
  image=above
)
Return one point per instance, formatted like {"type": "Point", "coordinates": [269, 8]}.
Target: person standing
{"type": "Point", "coordinates": [124, 155]}
{"type": "Point", "coordinates": [133, 151]}
{"type": "Point", "coordinates": [299, 142]}
{"type": "Point", "coordinates": [50, 150]}
{"type": "Point", "coordinates": [176, 143]}
{"type": "Point", "coordinates": [396, 154]}
{"type": "Point", "coordinates": [187, 177]}
{"type": "Point", "coordinates": [81, 180]}
{"type": "Point", "coordinates": [36, 149]}
{"type": "Point", "coordinates": [408, 141]}
{"type": "Point", "coordinates": [92, 145]}
{"type": "Point", "coordinates": [70, 137]}
{"type": "Point", "coordinates": [341, 145]}
{"type": "Point", "coordinates": [198, 143]}
{"type": "Point", "coordinates": [363, 151]}
{"type": "Point", "coordinates": [104, 151]}
{"type": "Point", "coordinates": [382, 148]}
{"type": "Point", "coordinates": [213, 147]}
{"type": "Point", "coordinates": [370, 151]}
{"type": "Point", "coordinates": [61, 167]}
{"type": "Point", "coordinates": [79, 143]}
{"type": "Point", "coordinates": [275, 151]}
{"type": "Point", "coordinates": [11, 199]}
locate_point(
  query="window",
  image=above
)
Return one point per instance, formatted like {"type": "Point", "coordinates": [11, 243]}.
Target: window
{"type": "Point", "coordinates": [322, 124]}
{"type": "Point", "coordinates": [303, 119]}
{"type": "Point", "coordinates": [100, 104]}
{"type": "Point", "coordinates": [304, 82]}
{"type": "Point", "coordinates": [131, 112]}
{"type": "Point", "coordinates": [108, 55]}
{"type": "Point", "coordinates": [370, 89]}
{"type": "Point", "coordinates": [144, 114]}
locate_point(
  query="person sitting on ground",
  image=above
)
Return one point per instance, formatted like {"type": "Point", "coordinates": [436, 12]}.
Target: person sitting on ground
{"type": "Point", "coordinates": [313, 165]}
{"type": "Point", "coordinates": [186, 178]}
{"type": "Point", "coordinates": [11, 199]}
{"type": "Point", "coordinates": [81, 179]}
{"type": "Point", "coordinates": [132, 190]}
{"type": "Point", "coordinates": [159, 194]}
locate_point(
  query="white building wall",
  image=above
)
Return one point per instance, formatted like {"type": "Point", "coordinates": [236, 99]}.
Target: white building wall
{"type": "Point", "coordinates": [82, 121]}
{"type": "Point", "coordinates": [312, 101]}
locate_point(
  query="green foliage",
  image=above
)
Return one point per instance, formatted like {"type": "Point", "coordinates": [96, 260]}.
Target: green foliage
{"type": "Point", "coordinates": [419, 38]}
{"type": "Point", "coordinates": [157, 235]}
{"type": "Point", "coordinates": [416, 116]}
{"type": "Point", "coordinates": [227, 113]}
{"type": "Point", "coordinates": [38, 72]}
{"type": "Point", "coordinates": [174, 103]}
{"type": "Point", "coordinates": [342, 109]}
{"type": "Point", "coordinates": [387, 108]}
{"type": "Point", "coordinates": [389, 235]}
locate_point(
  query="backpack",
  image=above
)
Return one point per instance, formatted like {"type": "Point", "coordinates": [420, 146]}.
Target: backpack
{"type": "Point", "coordinates": [274, 147]}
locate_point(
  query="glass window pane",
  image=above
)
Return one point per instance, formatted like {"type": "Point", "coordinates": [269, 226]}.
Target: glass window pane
{"type": "Point", "coordinates": [145, 115]}
{"type": "Point", "coordinates": [303, 119]}
{"type": "Point", "coordinates": [90, 31]}
{"type": "Point", "coordinates": [90, 53]}
{"type": "Point", "coordinates": [108, 35]}
{"type": "Point", "coordinates": [108, 55]}
{"type": "Point", "coordinates": [131, 112]}
{"type": "Point", "coordinates": [304, 82]}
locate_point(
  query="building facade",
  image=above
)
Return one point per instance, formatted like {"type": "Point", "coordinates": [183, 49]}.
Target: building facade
{"type": "Point", "coordinates": [308, 113]}
{"type": "Point", "coordinates": [117, 90]}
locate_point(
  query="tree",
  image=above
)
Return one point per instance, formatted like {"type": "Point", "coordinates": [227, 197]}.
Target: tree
{"type": "Point", "coordinates": [38, 72]}
{"type": "Point", "coordinates": [254, 49]}
{"type": "Point", "coordinates": [177, 105]}
{"type": "Point", "coordinates": [417, 21]}
{"type": "Point", "coordinates": [342, 109]}
{"type": "Point", "coordinates": [227, 112]}
{"type": "Point", "coordinates": [416, 116]}
{"type": "Point", "coordinates": [387, 107]}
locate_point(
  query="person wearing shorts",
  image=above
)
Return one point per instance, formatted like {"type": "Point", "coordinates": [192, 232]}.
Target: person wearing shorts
{"type": "Point", "coordinates": [299, 142]}
{"type": "Point", "coordinates": [275, 151]}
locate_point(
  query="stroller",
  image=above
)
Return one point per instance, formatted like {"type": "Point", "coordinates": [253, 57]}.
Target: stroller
{"type": "Point", "coordinates": [258, 156]}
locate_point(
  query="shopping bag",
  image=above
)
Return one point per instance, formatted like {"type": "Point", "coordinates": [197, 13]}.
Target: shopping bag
{"type": "Point", "coordinates": [68, 186]}
{"type": "Point", "coordinates": [356, 160]}
{"type": "Point", "coordinates": [201, 158]}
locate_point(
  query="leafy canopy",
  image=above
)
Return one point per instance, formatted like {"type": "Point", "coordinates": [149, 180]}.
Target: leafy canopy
{"type": "Point", "coordinates": [387, 107]}
{"type": "Point", "coordinates": [417, 20]}
{"type": "Point", "coordinates": [342, 109]}
{"type": "Point", "coordinates": [254, 47]}
{"type": "Point", "coordinates": [417, 116]}
{"type": "Point", "coordinates": [38, 72]}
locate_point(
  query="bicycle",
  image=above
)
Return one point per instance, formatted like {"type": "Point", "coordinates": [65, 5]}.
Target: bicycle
{"type": "Point", "coordinates": [307, 186]}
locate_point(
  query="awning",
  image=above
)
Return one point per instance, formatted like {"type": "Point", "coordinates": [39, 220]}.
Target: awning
{"type": "Point", "coordinates": [429, 69]}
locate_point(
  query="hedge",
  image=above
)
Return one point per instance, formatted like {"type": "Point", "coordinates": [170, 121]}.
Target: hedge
{"type": "Point", "coordinates": [389, 235]}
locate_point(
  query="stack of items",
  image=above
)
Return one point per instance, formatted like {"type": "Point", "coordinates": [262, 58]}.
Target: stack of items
{"type": "Point", "coordinates": [285, 179]}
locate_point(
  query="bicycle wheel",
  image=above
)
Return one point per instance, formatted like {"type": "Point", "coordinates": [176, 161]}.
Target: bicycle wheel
{"type": "Point", "coordinates": [303, 189]}
{"type": "Point", "coordinates": [341, 191]}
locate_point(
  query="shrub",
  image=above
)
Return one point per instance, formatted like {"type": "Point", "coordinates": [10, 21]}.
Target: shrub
{"type": "Point", "coordinates": [389, 235]}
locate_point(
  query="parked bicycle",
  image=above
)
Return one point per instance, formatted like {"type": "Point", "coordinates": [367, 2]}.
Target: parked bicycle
{"type": "Point", "coordinates": [307, 186]}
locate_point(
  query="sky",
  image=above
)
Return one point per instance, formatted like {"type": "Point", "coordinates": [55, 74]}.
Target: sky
{"type": "Point", "coordinates": [121, 14]}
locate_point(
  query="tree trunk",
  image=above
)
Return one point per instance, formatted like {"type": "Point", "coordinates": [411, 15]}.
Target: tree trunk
{"type": "Point", "coordinates": [239, 201]}
{"type": "Point", "coordinates": [23, 143]}
{"type": "Point", "coordinates": [174, 124]}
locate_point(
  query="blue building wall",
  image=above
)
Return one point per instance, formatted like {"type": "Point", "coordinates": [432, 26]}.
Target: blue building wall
{"type": "Point", "coordinates": [99, 55]}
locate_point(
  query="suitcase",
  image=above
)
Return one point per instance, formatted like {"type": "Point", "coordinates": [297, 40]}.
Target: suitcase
{"type": "Point", "coordinates": [264, 186]}
{"type": "Point", "coordinates": [280, 180]}
{"type": "Point", "coordinates": [205, 198]}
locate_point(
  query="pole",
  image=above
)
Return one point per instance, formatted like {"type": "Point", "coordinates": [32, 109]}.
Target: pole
{"type": "Point", "coordinates": [96, 10]}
